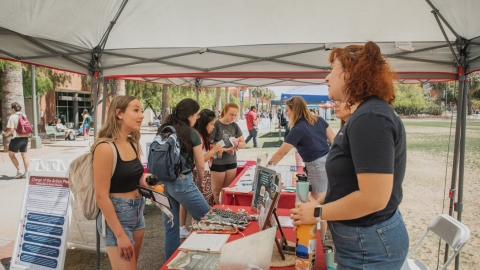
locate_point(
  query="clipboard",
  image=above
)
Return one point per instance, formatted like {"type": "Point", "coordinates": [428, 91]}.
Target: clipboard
{"type": "Point", "coordinates": [155, 196]}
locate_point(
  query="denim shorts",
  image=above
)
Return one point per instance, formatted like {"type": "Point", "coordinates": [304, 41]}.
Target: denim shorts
{"type": "Point", "coordinates": [380, 246]}
{"type": "Point", "coordinates": [130, 215]}
{"type": "Point", "coordinates": [317, 175]}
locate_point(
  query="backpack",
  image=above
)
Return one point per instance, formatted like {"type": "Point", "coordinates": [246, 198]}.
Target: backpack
{"type": "Point", "coordinates": [80, 181]}
{"type": "Point", "coordinates": [70, 136]}
{"type": "Point", "coordinates": [23, 126]}
{"type": "Point", "coordinates": [164, 159]}
{"type": "Point", "coordinates": [283, 120]}
{"type": "Point", "coordinates": [88, 120]}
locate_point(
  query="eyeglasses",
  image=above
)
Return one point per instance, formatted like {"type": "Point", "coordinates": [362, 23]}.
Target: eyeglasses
{"type": "Point", "coordinates": [336, 103]}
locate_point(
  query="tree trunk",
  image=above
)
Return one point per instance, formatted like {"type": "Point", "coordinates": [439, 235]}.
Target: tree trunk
{"type": "Point", "coordinates": [240, 97]}
{"type": "Point", "coordinates": [469, 103]}
{"type": "Point", "coordinates": [227, 96]}
{"type": "Point", "coordinates": [119, 88]}
{"type": "Point", "coordinates": [249, 98]}
{"type": "Point", "coordinates": [165, 102]}
{"type": "Point", "coordinates": [218, 99]}
{"type": "Point", "coordinates": [12, 85]}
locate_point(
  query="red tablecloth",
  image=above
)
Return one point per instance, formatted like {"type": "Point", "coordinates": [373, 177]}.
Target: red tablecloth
{"type": "Point", "coordinates": [253, 228]}
{"type": "Point", "coordinates": [287, 199]}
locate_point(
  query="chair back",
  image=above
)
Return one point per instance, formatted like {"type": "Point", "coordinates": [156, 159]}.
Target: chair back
{"type": "Point", "coordinates": [450, 230]}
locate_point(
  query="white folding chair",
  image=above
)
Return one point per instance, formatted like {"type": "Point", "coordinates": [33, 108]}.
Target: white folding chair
{"type": "Point", "coordinates": [452, 231]}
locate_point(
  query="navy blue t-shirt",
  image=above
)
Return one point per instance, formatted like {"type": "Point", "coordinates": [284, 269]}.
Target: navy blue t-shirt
{"type": "Point", "coordinates": [310, 141]}
{"type": "Point", "coordinates": [372, 141]}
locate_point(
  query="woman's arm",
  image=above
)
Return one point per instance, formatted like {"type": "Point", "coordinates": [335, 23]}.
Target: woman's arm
{"type": "Point", "coordinates": [241, 142]}
{"type": "Point", "coordinates": [102, 174]}
{"type": "Point", "coordinates": [216, 148]}
{"type": "Point", "coordinates": [373, 195]}
{"type": "Point", "coordinates": [281, 152]}
{"type": "Point", "coordinates": [330, 135]}
{"type": "Point", "coordinates": [199, 163]}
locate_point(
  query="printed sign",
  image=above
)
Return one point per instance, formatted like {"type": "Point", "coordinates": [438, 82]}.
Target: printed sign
{"type": "Point", "coordinates": [43, 226]}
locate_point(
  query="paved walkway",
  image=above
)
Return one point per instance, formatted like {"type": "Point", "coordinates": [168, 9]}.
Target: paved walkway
{"type": "Point", "coordinates": [12, 190]}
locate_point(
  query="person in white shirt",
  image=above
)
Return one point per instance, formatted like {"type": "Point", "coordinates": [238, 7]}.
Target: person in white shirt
{"type": "Point", "coordinates": [61, 127]}
{"type": "Point", "coordinates": [19, 142]}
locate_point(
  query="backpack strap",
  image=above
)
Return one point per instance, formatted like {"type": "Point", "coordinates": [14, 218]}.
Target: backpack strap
{"type": "Point", "coordinates": [104, 223]}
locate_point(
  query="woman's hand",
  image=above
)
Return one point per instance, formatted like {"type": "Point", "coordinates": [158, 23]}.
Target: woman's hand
{"type": "Point", "coordinates": [303, 214]}
{"type": "Point", "coordinates": [125, 247]}
{"type": "Point", "coordinates": [143, 180]}
{"type": "Point", "coordinates": [229, 150]}
{"type": "Point", "coordinates": [216, 148]}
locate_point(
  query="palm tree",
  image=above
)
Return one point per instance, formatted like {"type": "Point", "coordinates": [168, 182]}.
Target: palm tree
{"type": "Point", "coordinates": [227, 95]}
{"type": "Point", "coordinates": [165, 102]}
{"type": "Point", "coordinates": [218, 99]}
{"type": "Point", "coordinates": [249, 97]}
{"type": "Point", "coordinates": [241, 94]}
{"type": "Point", "coordinates": [119, 88]}
{"type": "Point", "coordinates": [12, 91]}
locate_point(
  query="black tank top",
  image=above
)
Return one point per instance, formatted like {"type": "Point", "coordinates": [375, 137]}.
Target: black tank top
{"type": "Point", "coordinates": [127, 174]}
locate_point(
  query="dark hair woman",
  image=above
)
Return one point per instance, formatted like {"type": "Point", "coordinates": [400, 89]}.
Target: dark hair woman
{"type": "Point", "coordinates": [204, 126]}
{"type": "Point", "coordinates": [183, 190]}
{"type": "Point", "coordinates": [365, 166]}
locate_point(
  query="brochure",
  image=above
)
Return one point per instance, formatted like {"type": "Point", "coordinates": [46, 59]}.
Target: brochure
{"type": "Point", "coordinates": [195, 260]}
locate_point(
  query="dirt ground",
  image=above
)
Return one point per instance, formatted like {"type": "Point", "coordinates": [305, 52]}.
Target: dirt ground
{"type": "Point", "coordinates": [426, 186]}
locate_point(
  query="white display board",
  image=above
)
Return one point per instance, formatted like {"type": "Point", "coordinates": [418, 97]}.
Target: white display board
{"type": "Point", "coordinates": [43, 225]}
{"type": "Point", "coordinates": [50, 220]}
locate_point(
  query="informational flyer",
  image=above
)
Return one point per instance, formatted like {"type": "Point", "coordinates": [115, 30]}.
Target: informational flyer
{"type": "Point", "coordinates": [264, 186]}
{"type": "Point", "coordinates": [41, 243]}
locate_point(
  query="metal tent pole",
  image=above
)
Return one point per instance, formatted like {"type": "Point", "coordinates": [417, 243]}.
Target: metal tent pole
{"type": "Point", "coordinates": [459, 205]}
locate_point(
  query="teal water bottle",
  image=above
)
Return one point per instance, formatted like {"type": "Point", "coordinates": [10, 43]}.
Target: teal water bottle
{"type": "Point", "coordinates": [307, 233]}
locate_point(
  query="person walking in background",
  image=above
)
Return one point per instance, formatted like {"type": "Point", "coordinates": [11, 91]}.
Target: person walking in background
{"type": "Point", "coordinates": [309, 134]}
{"type": "Point", "coordinates": [224, 168]}
{"type": "Point", "coordinates": [252, 126]}
{"type": "Point", "coordinates": [87, 119]}
{"type": "Point", "coordinates": [365, 166]}
{"type": "Point", "coordinates": [183, 190]}
{"type": "Point", "coordinates": [18, 143]}
{"type": "Point", "coordinates": [117, 195]}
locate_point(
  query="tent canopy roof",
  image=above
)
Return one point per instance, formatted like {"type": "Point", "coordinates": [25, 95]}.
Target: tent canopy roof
{"type": "Point", "coordinates": [233, 43]}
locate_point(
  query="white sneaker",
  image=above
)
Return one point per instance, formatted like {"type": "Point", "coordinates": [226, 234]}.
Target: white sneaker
{"type": "Point", "coordinates": [19, 175]}
{"type": "Point", "coordinates": [184, 233]}
{"type": "Point", "coordinates": [24, 175]}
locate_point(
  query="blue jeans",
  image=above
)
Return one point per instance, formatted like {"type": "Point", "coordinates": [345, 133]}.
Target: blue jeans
{"type": "Point", "coordinates": [252, 134]}
{"type": "Point", "coordinates": [129, 213]}
{"type": "Point", "coordinates": [181, 191]}
{"type": "Point", "coordinates": [380, 246]}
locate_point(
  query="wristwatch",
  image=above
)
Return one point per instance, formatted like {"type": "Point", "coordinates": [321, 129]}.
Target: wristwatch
{"type": "Point", "coordinates": [317, 213]}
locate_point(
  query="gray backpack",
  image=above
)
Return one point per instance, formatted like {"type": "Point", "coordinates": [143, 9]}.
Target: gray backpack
{"type": "Point", "coordinates": [81, 183]}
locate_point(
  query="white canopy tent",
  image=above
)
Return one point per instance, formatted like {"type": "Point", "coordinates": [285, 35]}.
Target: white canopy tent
{"type": "Point", "coordinates": [233, 43]}
{"type": "Point", "coordinates": [246, 43]}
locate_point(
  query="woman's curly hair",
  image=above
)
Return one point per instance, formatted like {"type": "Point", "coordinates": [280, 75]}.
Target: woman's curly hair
{"type": "Point", "coordinates": [367, 73]}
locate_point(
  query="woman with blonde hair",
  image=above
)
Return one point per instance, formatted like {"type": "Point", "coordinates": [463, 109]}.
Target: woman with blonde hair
{"type": "Point", "coordinates": [308, 134]}
{"type": "Point", "coordinates": [365, 167]}
{"type": "Point", "coordinates": [224, 168]}
{"type": "Point", "coordinates": [117, 195]}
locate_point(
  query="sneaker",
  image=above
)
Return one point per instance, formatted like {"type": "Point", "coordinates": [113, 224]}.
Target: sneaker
{"type": "Point", "coordinates": [184, 233]}
{"type": "Point", "coordinates": [19, 175]}
{"type": "Point", "coordinates": [24, 175]}
{"type": "Point", "coordinates": [255, 146]}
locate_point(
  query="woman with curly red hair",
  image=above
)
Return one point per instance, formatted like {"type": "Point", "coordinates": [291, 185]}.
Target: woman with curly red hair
{"type": "Point", "coordinates": [365, 166]}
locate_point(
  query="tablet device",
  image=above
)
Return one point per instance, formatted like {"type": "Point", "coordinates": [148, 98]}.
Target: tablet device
{"type": "Point", "coordinates": [155, 196]}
